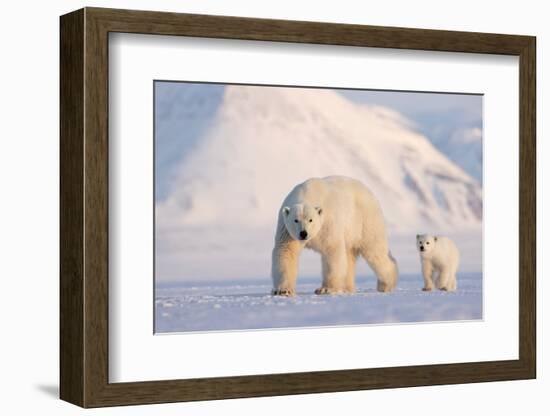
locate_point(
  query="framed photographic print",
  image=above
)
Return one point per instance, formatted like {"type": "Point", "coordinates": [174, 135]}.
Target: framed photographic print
{"type": "Point", "coordinates": [255, 207]}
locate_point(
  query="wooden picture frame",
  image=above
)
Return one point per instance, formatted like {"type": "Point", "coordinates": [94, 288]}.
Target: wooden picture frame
{"type": "Point", "coordinates": [84, 207]}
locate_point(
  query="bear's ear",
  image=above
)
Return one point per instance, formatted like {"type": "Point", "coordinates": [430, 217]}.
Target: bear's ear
{"type": "Point", "coordinates": [319, 210]}
{"type": "Point", "coordinates": [417, 236]}
{"type": "Point", "coordinates": [286, 211]}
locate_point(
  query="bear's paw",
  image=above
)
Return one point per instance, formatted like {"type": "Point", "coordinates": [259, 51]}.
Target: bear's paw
{"type": "Point", "coordinates": [328, 291]}
{"type": "Point", "coordinates": [283, 292]}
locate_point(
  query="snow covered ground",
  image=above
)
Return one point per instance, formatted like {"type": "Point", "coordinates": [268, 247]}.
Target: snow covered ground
{"type": "Point", "coordinates": [227, 155]}
{"type": "Point", "coordinates": [242, 305]}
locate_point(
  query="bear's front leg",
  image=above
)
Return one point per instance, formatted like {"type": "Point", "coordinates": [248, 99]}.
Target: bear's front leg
{"type": "Point", "coordinates": [284, 267]}
{"type": "Point", "coordinates": [427, 272]}
{"type": "Point", "coordinates": [335, 269]}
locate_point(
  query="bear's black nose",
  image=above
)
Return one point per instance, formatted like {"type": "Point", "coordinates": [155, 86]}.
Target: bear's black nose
{"type": "Point", "coordinates": [303, 235]}
{"type": "Point", "coordinates": [421, 248]}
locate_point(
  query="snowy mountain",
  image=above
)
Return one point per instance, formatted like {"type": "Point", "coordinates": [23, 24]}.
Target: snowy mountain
{"type": "Point", "coordinates": [452, 122]}
{"type": "Point", "coordinates": [229, 155]}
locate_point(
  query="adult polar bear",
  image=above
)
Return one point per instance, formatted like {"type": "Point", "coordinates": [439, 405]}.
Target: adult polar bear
{"type": "Point", "coordinates": [339, 218]}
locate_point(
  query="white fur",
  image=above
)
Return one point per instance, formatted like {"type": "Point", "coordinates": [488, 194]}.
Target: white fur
{"type": "Point", "coordinates": [439, 258]}
{"type": "Point", "coordinates": [343, 220]}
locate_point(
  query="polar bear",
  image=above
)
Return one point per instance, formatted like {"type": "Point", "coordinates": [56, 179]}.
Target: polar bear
{"type": "Point", "coordinates": [439, 257]}
{"type": "Point", "coordinates": [339, 218]}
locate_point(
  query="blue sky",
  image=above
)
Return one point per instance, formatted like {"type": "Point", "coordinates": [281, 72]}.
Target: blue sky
{"type": "Point", "coordinates": [413, 104]}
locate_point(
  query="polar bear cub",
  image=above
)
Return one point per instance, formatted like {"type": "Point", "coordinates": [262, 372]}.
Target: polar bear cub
{"type": "Point", "coordinates": [339, 218]}
{"type": "Point", "coordinates": [439, 257]}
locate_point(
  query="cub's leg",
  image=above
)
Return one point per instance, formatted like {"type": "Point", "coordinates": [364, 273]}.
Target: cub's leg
{"type": "Point", "coordinates": [444, 282]}
{"type": "Point", "coordinates": [452, 284]}
{"type": "Point", "coordinates": [428, 272]}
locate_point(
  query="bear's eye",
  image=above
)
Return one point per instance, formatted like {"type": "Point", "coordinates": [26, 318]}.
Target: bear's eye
{"type": "Point", "coordinates": [310, 220]}
{"type": "Point", "coordinates": [427, 242]}
{"type": "Point", "coordinates": [296, 221]}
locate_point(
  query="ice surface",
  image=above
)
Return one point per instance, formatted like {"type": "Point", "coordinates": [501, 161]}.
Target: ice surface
{"type": "Point", "coordinates": [247, 304]}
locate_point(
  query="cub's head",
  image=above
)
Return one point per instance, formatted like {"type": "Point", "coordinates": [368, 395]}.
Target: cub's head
{"type": "Point", "coordinates": [425, 243]}
{"type": "Point", "coordinates": [302, 221]}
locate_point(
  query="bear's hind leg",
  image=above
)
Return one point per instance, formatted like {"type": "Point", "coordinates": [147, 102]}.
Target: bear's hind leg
{"type": "Point", "coordinates": [350, 275]}
{"type": "Point", "coordinates": [385, 268]}
{"type": "Point", "coordinates": [335, 269]}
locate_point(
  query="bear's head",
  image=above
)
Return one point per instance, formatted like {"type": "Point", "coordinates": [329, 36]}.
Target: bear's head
{"type": "Point", "coordinates": [302, 221]}
{"type": "Point", "coordinates": [425, 243]}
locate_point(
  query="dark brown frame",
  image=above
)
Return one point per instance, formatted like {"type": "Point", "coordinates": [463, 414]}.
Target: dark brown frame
{"type": "Point", "coordinates": [84, 208]}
